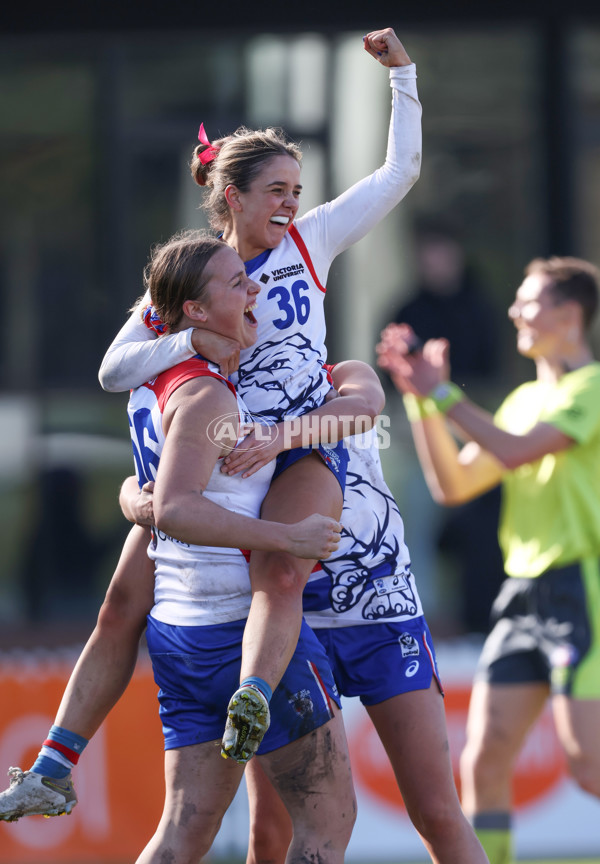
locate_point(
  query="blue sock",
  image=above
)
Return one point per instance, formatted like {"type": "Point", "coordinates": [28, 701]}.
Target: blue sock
{"type": "Point", "coordinates": [260, 684]}
{"type": "Point", "coordinates": [60, 753]}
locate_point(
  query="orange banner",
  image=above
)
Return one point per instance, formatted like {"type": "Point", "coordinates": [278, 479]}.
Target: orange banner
{"type": "Point", "coordinates": [540, 767]}
{"type": "Point", "coordinates": [119, 780]}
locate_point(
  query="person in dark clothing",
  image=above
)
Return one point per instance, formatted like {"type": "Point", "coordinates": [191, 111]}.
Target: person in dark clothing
{"type": "Point", "coordinates": [449, 303]}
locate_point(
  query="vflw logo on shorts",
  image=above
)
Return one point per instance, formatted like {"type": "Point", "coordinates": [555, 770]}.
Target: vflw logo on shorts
{"type": "Point", "coordinates": [331, 457]}
{"type": "Point", "coordinates": [408, 645]}
{"type": "Point", "coordinates": [302, 703]}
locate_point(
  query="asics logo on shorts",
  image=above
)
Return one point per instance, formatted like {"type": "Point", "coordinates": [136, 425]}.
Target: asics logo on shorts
{"type": "Point", "coordinates": [411, 669]}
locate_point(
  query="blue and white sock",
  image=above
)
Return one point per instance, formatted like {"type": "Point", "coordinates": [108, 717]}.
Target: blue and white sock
{"type": "Point", "coordinates": [260, 684]}
{"type": "Point", "coordinates": [60, 753]}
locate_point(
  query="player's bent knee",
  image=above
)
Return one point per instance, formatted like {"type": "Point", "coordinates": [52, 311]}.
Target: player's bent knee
{"type": "Point", "coordinates": [282, 574]}
{"type": "Point", "coordinates": [480, 767]}
{"type": "Point", "coordinates": [120, 612]}
{"type": "Point", "coordinates": [437, 821]}
{"type": "Point", "coordinates": [189, 844]}
{"type": "Point", "coordinates": [269, 841]}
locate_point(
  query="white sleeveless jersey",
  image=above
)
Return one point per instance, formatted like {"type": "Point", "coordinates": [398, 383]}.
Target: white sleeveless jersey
{"type": "Point", "coordinates": [194, 585]}
{"type": "Point", "coordinates": [368, 578]}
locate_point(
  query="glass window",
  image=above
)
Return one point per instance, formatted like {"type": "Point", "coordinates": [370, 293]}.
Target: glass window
{"type": "Point", "coordinates": [585, 54]}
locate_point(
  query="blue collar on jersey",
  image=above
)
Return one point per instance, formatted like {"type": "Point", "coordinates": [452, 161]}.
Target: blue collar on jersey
{"type": "Point", "coordinates": [254, 263]}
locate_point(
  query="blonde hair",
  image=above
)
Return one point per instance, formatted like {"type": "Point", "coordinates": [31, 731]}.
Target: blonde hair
{"type": "Point", "coordinates": [175, 272]}
{"type": "Point", "coordinates": [239, 160]}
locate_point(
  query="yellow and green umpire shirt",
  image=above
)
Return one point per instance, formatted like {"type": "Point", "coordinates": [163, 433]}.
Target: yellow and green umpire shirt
{"type": "Point", "coordinates": [551, 508]}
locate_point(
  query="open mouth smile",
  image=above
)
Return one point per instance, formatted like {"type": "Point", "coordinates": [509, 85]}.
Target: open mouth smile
{"type": "Point", "coordinates": [249, 314]}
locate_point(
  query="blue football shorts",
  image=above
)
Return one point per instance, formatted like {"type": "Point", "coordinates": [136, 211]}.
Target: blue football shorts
{"type": "Point", "coordinates": [335, 458]}
{"type": "Point", "coordinates": [197, 670]}
{"type": "Point", "coordinates": [378, 661]}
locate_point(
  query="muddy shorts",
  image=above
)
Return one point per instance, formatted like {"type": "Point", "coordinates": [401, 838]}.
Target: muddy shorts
{"type": "Point", "coordinates": [198, 669]}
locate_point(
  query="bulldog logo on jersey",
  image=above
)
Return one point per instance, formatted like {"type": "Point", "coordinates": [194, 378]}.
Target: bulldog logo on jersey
{"type": "Point", "coordinates": [269, 377]}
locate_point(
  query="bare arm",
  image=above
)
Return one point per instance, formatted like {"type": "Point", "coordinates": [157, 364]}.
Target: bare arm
{"type": "Point", "coordinates": [359, 399]}
{"type": "Point", "coordinates": [426, 373]}
{"type": "Point", "coordinates": [510, 450]}
{"type": "Point", "coordinates": [453, 476]}
{"type": "Point", "coordinates": [353, 378]}
{"type": "Point", "coordinates": [188, 458]}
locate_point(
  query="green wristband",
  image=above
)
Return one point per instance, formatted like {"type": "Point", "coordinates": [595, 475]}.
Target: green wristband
{"type": "Point", "coordinates": [418, 407]}
{"type": "Point", "coordinates": [445, 395]}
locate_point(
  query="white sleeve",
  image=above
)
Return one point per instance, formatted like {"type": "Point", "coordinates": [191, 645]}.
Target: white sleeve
{"type": "Point", "coordinates": [333, 227]}
{"type": "Point", "coordinates": [136, 355]}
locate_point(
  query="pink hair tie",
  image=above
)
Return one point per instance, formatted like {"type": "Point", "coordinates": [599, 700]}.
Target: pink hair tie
{"type": "Point", "coordinates": [209, 154]}
{"type": "Point", "coordinates": [152, 320]}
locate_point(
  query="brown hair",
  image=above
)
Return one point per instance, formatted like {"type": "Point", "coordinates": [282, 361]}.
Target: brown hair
{"type": "Point", "coordinates": [175, 272]}
{"type": "Point", "coordinates": [240, 158]}
{"type": "Point", "coordinates": [572, 279]}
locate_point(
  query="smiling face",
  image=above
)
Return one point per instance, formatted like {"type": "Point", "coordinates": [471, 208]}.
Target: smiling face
{"type": "Point", "coordinates": [540, 320]}
{"type": "Point", "coordinates": [229, 298]}
{"type": "Point", "coordinates": [262, 215]}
